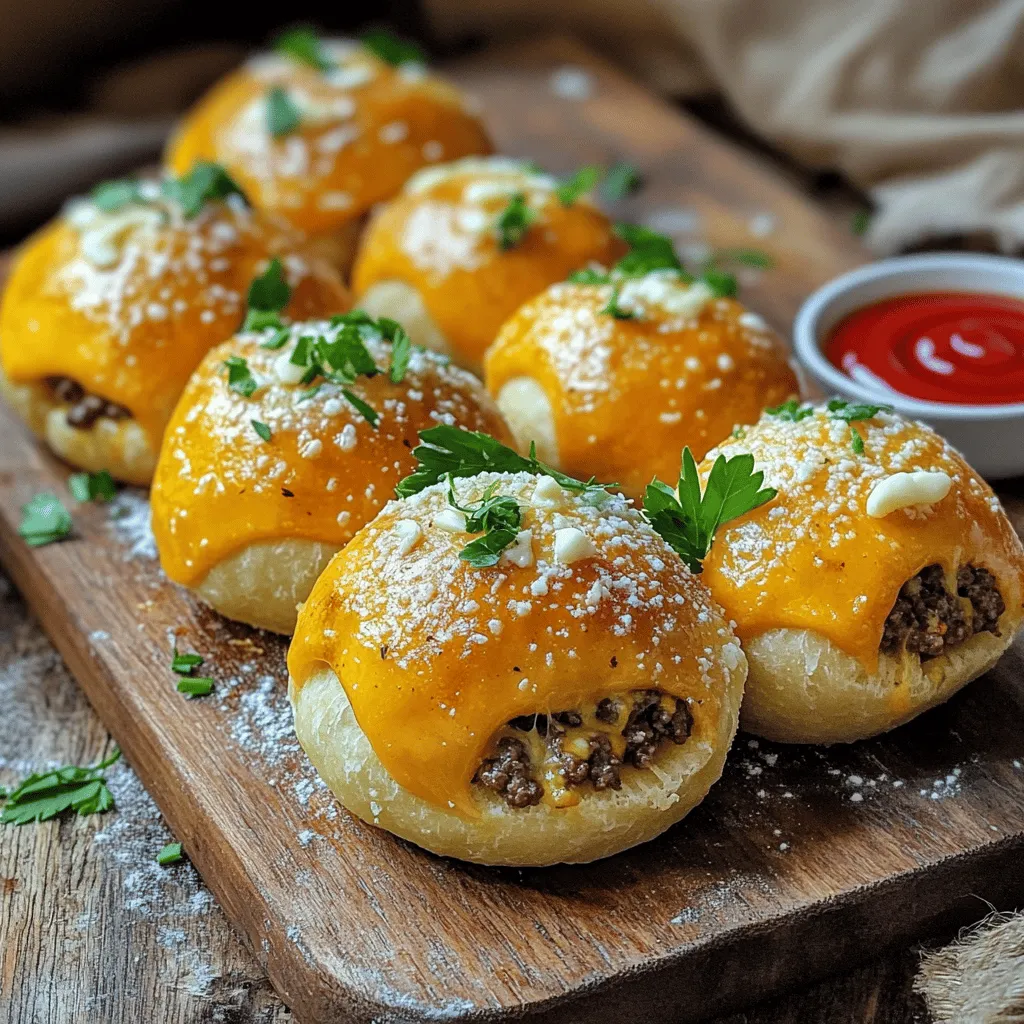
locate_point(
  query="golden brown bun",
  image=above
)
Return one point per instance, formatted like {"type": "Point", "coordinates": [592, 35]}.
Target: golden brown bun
{"type": "Point", "coordinates": [436, 656]}
{"type": "Point", "coordinates": [810, 578]}
{"type": "Point", "coordinates": [619, 399]}
{"type": "Point", "coordinates": [248, 523]}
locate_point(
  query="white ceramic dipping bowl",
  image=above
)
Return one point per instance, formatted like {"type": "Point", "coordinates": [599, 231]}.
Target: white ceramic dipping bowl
{"type": "Point", "coordinates": [990, 437]}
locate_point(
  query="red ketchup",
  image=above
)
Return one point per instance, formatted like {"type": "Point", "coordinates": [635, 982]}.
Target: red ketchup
{"type": "Point", "coordinates": [937, 346]}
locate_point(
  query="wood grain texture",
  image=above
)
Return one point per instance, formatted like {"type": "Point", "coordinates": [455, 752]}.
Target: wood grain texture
{"type": "Point", "coordinates": [781, 876]}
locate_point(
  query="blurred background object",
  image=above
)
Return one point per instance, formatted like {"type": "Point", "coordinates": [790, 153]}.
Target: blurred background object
{"type": "Point", "coordinates": [915, 101]}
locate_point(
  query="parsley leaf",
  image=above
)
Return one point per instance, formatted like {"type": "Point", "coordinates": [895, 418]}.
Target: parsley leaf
{"type": "Point", "coordinates": [621, 181]}
{"type": "Point", "coordinates": [283, 115]}
{"type": "Point", "coordinates": [721, 282]}
{"type": "Point", "coordinates": [170, 854]}
{"type": "Point", "coordinates": [303, 44]}
{"type": "Point", "coordinates": [365, 410]}
{"type": "Point", "coordinates": [589, 275]}
{"type": "Point", "coordinates": [262, 429]}
{"type": "Point", "coordinates": [614, 309]}
{"type": "Point", "coordinates": [840, 409]}
{"type": "Point", "coordinates": [647, 251]}
{"type": "Point", "coordinates": [240, 377]}
{"type": "Point", "coordinates": [452, 451]}
{"type": "Point", "coordinates": [757, 258]}
{"type": "Point", "coordinates": [277, 340]}
{"type": "Point", "coordinates": [44, 795]}
{"type": "Point", "coordinates": [689, 521]}
{"type": "Point", "coordinates": [44, 520]}
{"type": "Point", "coordinates": [860, 222]}
{"type": "Point", "coordinates": [401, 350]}
{"type": "Point", "coordinates": [856, 441]}
{"type": "Point", "coordinates": [111, 196]}
{"type": "Point", "coordinates": [792, 410]}
{"type": "Point", "coordinates": [92, 486]}
{"type": "Point", "coordinates": [204, 183]}
{"type": "Point", "coordinates": [391, 49]}
{"type": "Point", "coordinates": [195, 686]}
{"type": "Point", "coordinates": [513, 222]}
{"type": "Point", "coordinates": [268, 295]}
{"type": "Point", "coordinates": [182, 664]}
{"type": "Point", "coordinates": [578, 185]}
{"type": "Point", "coordinates": [497, 516]}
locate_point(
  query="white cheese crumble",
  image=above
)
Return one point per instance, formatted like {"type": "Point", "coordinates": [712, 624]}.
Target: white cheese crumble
{"type": "Point", "coordinates": [409, 535]}
{"type": "Point", "coordinates": [572, 545]}
{"type": "Point", "coordinates": [521, 552]}
{"type": "Point", "coordinates": [902, 490]}
{"type": "Point", "coordinates": [548, 492]}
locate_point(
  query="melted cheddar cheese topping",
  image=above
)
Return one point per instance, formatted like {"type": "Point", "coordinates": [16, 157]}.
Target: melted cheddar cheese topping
{"type": "Point", "coordinates": [436, 656]}
{"type": "Point", "coordinates": [814, 559]}
{"type": "Point", "coordinates": [627, 395]}
{"type": "Point", "coordinates": [364, 127]}
{"type": "Point", "coordinates": [127, 303]}
{"type": "Point", "coordinates": [440, 237]}
{"type": "Point", "coordinates": [219, 486]}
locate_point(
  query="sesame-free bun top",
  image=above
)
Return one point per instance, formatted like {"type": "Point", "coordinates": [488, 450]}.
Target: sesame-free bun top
{"type": "Point", "coordinates": [436, 655]}
{"type": "Point", "coordinates": [326, 470]}
{"type": "Point", "coordinates": [439, 237]}
{"type": "Point", "coordinates": [364, 126]}
{"type": "Point", "coordinates": [619, 398]}
{"type": "Point", "coordinates": [815, 558]}
{"type": "Point", "coordinates": [127, 302]}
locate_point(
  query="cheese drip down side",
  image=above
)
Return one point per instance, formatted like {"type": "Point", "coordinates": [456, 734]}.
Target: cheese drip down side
{"type": "Point", "coordinates": [325, 470]}
{"type": "Point", "coordinates": [437, 656]}
{"type": "Point", "coordinates": [132, 330]}
{"type": "Point", "coordinates": [817, 558]}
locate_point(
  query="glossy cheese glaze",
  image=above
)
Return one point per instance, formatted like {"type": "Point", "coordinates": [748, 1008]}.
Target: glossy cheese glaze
{"type": "Point", "coordinates": [363, 129]}
{"type": "Point", "coordinates": [133, 329]}
{"type": "Point", "coordinates": [812, 558]}
{"type": "Point", "coordinates": [439, 237]}
{"type": "Point", "coordinates": [436, 656]}
{"type": "Point", "coordinates": [325, 471]}
{"type": "Point", "coordinates": [627, 395]}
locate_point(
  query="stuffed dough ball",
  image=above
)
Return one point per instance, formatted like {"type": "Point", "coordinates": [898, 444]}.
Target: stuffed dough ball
{"type": "Point", "coordinates": [574, 698]}
{"type": "Point", "coordinates": [322, 129]}
{"type": "Point", "coordinates": [882, 578]}
{"type": "Point", "coordinates": [110, 308]}
{"type": "Point", "coordinates": [268, 467]}
{"type": "Point", "coordinates": [464, 245]}
{"type": "Point", "coordinates": [614, 377]}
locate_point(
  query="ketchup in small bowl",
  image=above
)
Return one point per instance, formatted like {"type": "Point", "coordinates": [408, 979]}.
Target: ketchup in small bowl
{"type": "Point", "coordinates": [953, 347]}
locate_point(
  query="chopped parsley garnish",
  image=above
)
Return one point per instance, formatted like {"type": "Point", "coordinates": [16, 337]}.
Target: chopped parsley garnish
{"type": "Point", "coordinates": [589, 275]}
{"type": "Point", "coordinates": [277, 340]}
{"type": "Point", "coordinates": [721, 282]}
{"type": "Point", "coordinates": [111, 196]}
{"type": "Point", "coordinates": [451, 451]}
{"type": "Point", "coordinates": [240, 377]}
{"type": "Point", "coordinates": [268, 295]}
{"type": "Point", "coordinates": [614, 309]}
{"type": "Point", "coordinates": [205, 183]}
{"type": "Point", "coordinates": [182, 664]}
{"type": "Point", "coordinates": [283, 115]}
{"type": "Point", "coordinates": [401, 349]}
{"type": "Point", "coordinates": [304, 45]}
{"type": "Point", "coordinates": [363, 408]}
{"type": "Point", "coordinates": [840, 409]}
{"type": "Point", "coordinates": [391, 49]}
{"type": "Point", "coordinates": [792, 410]}
{"type": "Point", "coordinates": [170, 854]}
{"type": "Point", "coordinates": [856, 441]}
{"type": "Point", "coordinates": [582, 182]}
{"type": "Point", "coordinates": [497, 516]}
{"type": "Point", "coordinates": [513, 222]}
{"type": "Point", "coordinates": [860, 222]}
{"type": "Point", "coordinates": [647, 251]}
{"type": "Point", "coordinates": [622, 180]}
{"type": "Point", "coordinates": [262, 429]}
{"type": "Point", "coordinates": [44, 795]}
{"type": "Point", "coordinates": [195, 686]}
{"type": "Point", "coordinates": [44, 520]}
{"type": "Point", "coordinates": [688, 519]}
{"type": "Point", "coordinates": [92, 486]}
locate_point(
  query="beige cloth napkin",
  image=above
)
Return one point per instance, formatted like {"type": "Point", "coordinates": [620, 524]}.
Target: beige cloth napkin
{"type": "Point", "coordinates": [919, 101]}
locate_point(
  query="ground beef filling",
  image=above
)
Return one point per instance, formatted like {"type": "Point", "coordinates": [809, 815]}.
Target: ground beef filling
{"type": "Point", "coordinates": [587, 756]}
{"type": "Point", "coordinates": [927, 618]}
{"type": "Point", "coordinates": [85, 409]}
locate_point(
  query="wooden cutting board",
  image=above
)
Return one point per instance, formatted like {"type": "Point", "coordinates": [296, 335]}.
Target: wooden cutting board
{"type": "Point", "coordinates": [801, 861]}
